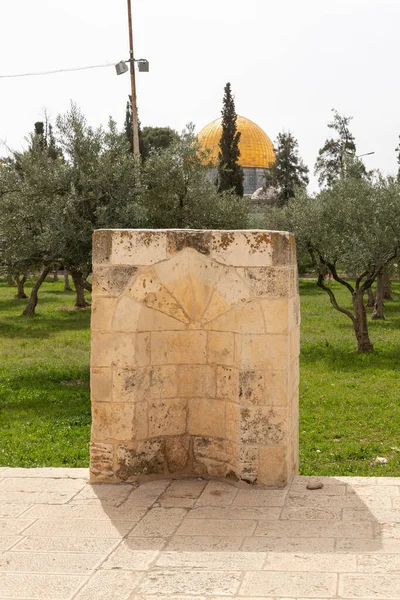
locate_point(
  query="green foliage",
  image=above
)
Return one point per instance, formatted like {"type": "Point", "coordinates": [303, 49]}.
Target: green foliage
{"type": "Point", "coordinates": [102, 187]}
{"type": "Point", "coordinates": [156, 138]}
{"type": "Point", "coordinates": [179, 194]}
{"type": "Point", "coordinates": [337, 157]}
{"type": "Point", "coordinates": [288, 172]}
{"type": "Point", "coordinates": [398, 161]}
{"type": "Point", "coordinates": [349, 409]}
{"type": "Point", "coordinates": [354, 223]}
{"type": "Point", "coordinates": [230, 173]}
{"type": "Point", "coordinates": [44, 381]}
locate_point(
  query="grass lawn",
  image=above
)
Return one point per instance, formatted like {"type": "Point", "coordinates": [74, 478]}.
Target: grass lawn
{"type": "Point", "coordinates": [349, 403]}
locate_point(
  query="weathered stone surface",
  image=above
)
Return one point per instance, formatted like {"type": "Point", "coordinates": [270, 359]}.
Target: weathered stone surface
{"type": "Point", "coordinates": [131, 385]}
{"type": "Point", "coordinates": [167, 417]}
{"type": "Point", "coordinates": [101, 461]}
{"type": "Point", "coordinates": [273, 467]}
{"type": "Point", "coordinates": [112, 421]}
{"type": "Point", "coordinates": [206, 417]}
{"type": "Point", "coordinates": [196, 381]}
{"type": "Point", "coordinates": [146, 459]}
{"type": "Point", "coordinates": [269, 281]}
{"type": "Point", "coordinates": [102, 246]}
{"type": "Point", "coordinates": [227, 383]}
{"type": "Point", "coordinates": [177, 452]}
{"type": "Point", "coordinates": [198, 240]}
{"type": "Point", "coordinates": [195, 344]}
{"type": "Point", "coordinates": [178, 347]}
{"type": "Point", "coordinates": [251, 387]}
{"type": "Point", "coordinates": [112, 281]}
{"type": "Point", "coordinates": [263, 426]}
{"type": "Point", "coordinates": [100, 384]}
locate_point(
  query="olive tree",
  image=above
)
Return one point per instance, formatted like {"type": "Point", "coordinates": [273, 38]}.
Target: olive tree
{"type": "Point", "coordinates": [351, 227]}
{"type": "Point", "coordinates": [32, 187]}
{"type": "Point", "coordinates": [177, 190]}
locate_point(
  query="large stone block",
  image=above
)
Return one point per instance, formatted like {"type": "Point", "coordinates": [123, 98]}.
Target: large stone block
{"type": "Point", "coordinates": [195, 344]}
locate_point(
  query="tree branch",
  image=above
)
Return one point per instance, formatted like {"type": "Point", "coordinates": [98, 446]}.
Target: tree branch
{"type": "Point", "coordinates": [339, 279]}
{"type": "Point", "coordinates": [321, 284]}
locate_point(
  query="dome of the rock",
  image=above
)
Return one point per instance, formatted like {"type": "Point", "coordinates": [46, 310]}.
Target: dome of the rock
{"type": "Point", "coordinates": [256, 149]}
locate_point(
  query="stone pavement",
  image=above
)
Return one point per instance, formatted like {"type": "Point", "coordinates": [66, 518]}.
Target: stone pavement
{"type": "Point", "coordinates": [62, 538]}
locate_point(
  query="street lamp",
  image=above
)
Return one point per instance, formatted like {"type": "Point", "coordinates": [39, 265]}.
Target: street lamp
{"type": "Point", "coordinates": [122, 67]}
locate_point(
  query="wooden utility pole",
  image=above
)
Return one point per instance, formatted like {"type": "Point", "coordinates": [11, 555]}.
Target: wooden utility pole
{"type": "Point", "coordinates": [135, 125]}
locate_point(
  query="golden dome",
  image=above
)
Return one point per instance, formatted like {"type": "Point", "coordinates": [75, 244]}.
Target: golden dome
{"type": "Point", "coordinates": [256, 149]}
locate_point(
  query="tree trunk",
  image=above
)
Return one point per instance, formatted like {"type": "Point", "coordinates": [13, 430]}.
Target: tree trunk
{"type": "Point", "coordinates": [55, 276]}
{"type": "Point", "coordinates": [20, 287]}
{"type": "Point", "coordinates": [10, 280]}
{"type": "Point", "coordinates": [67, 287]}
{"type": "Point", "coordinates": [387, 288]}
{"type": "Point", "coordinates": [378, 307]}
{"type": "Point", "coordinates": [33, 298]}
{"type": "Point", "coordinates": [80, 292]}
{"type": "Point", "coordinates": [371, 298]}
{"type": "Point", "coordinates": [360, 323]}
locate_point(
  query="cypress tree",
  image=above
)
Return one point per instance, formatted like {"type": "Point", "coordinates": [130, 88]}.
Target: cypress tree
{"type": "Point", "coordinates": [230, 173]}
{"type": "Point", "coordinates": [288, 171]}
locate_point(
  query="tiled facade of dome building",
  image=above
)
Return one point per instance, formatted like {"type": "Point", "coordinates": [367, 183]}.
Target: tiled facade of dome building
{"type": "Point", "coordinates": [256, 150]}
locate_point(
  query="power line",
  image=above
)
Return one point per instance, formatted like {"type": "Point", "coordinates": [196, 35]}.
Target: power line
{"type": "Point", "coordinates": [56, 71]}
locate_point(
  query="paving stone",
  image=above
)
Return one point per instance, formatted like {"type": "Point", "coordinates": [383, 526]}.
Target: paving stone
{"type": "Point", "coordinates": [217, 494]}
{"type": "Point", "coordinates": [80, 528]}
{"type": "Point", "coordinates": [382, 515]}
{"type": "Point", "coordinates": [314, 529]}
{"type": "Point", "coordinates": [213, 561]}
{"type": "Point", "coordinates": [376, 545]}
{"type": "Point", "coordinates": [7, 541]}
{"type": "Point", "coordinates": [388, 530]}
{"type": "Point", "coordinates": [171, 502]}
{"type": "Point", "coordinates": [311, 562]}
{"type": "Point", "coordinates": [369, 586]}
{"type": "Point", "coordinates": [66, 544]}
{"type": "Point", "coordinates": [328, 490]}
{"type": "Point", "coordinates": [146, 543]}
{"type": "Point", "coordinates": [347, 501]}
{"type": "Point", "coordinates": [47, 472]}
{"type": "Point", "coordinates": [260, 498]}
{"type": "Point", "coordinates": [190, 582]}
{"type": "Point", "coordinates": [109, 585]}
{"type": "Point", "coordinates": [373, 491]}
{"type": "Point", "coordinates": [217, 527]}
{"type": "Point", "coordinates": [28, 562]}
{"type": "Point", "coordinates": [352, 481]}
{"type": "Point", "coordinates": [310, 585]}
{"type": "Point", "coordinates": [12, 510]}
{"type": "Point", "coordinates": [212, 543]}
{"type": "Point", "coordinates": [79, 511]}
{"type": "Point", "coordinates": [136, 596]}
{"type": "Point", "coordinates": [35, 497]}
{"type": "Point", "coordinates": [235, 512]}
{"type": "Point", "coordinates": [182, 493]}
{"type": "Point", "coordinates": [311, 513]}
{"type": "Point", "coordinates": [159, 522]}
{"type": "Point", "coordinates": [32, 484]}
{"type": "Point", "coordinates": [127, 556]}
{"type": "Point", "coordinates": [271, 544]}
{"type": "Point", "coordinates": [105, 492]}
{"type": "Point", "coordinates": [378, 563]}
{"type": "Point", "coordinates": [14, 526]}
{"type": "Point", "coordinates": [44, 587]}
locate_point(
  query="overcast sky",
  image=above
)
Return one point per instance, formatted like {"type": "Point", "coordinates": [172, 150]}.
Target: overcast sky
{"type": "Point", "coordinates": [289, 62]}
